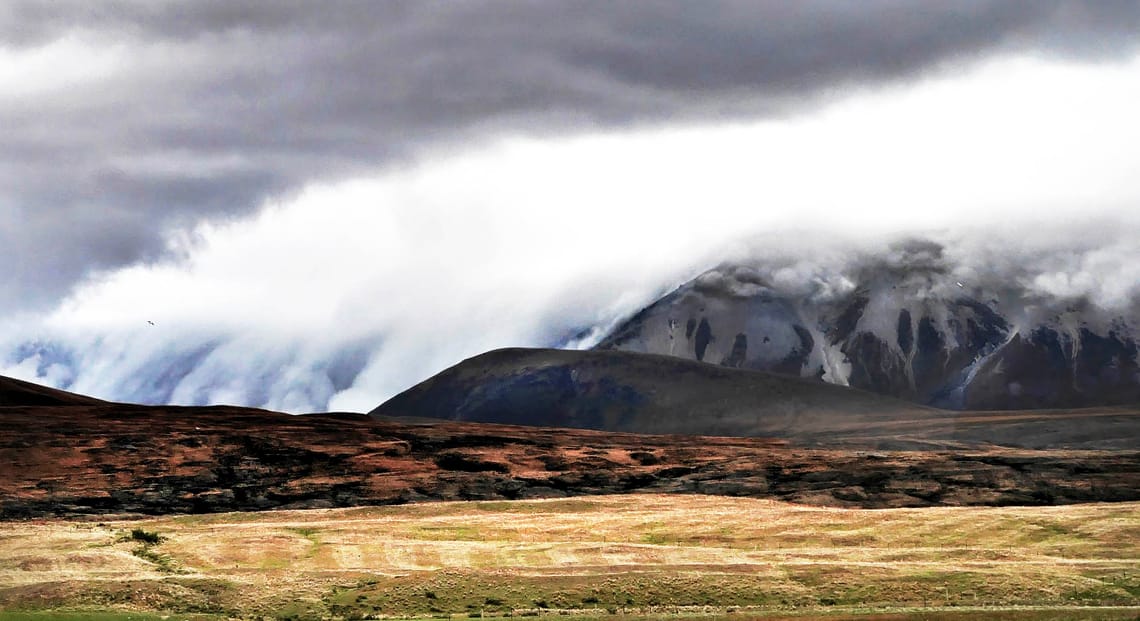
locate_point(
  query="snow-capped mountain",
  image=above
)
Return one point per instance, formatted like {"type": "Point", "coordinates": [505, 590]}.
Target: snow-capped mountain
{"type": "Point", "coordinates": [908, 327]}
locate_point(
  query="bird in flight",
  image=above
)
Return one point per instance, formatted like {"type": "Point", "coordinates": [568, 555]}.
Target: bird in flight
{"type": "Point", "coordinates": [960, 284]}
{"type": "Point", "coordinates": [150, 322]}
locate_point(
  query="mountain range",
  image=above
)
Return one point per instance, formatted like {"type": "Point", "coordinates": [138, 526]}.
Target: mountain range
{"type": "Point", "coordinates": [901, 348]}
{"type": "Point", "coordinates": [912, 331]}
{"type": "Point", "coordinates": [929, 322]}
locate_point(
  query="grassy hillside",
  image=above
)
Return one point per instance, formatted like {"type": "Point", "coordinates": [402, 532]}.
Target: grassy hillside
{"type": "Point", "coordinates": [641, 393]}
{"type": "Point", "coordinates": [656, 394]}
{"type": "Point", "coordinates": [602, 555]}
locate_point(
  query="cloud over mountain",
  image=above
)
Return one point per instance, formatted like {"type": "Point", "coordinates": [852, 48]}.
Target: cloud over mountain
{"type": "Point", "coordinates": [125, 120]}
{"type": "Point", "coordinates": [318, 206]}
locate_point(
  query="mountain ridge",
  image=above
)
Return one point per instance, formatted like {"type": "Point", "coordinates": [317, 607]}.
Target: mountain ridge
{"type": "Point", "coordinates": [912, 331]}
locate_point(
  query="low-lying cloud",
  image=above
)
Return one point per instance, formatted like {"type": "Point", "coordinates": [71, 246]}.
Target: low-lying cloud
{"type": "Point", "coordinates": [344, 293]}
{"type": "Point", "coordinates": [125, 120]}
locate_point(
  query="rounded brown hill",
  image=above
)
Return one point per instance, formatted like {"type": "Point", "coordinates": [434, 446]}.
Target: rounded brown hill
{"type": "Point", "coordinates": [14, 392]}
{"type": "Point", "coordinates": [642, 393]}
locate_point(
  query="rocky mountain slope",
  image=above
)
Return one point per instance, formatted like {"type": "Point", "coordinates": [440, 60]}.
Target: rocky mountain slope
{"type": "Point", "coordinates": [909, 329]}
{"type": "Point", "coordinates": [114, 458]}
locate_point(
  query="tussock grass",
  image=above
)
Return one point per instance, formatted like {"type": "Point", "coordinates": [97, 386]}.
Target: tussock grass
{"type": "Point", "coordinates": [102, 616]}
{"type": "Point", "coordinates": [598, 556]}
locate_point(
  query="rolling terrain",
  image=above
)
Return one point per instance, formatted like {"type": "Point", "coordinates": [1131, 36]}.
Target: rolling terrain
{"type": "Point", "coordinates": [117, 458]}
{"type": "Point", "coordinates": [645, 393]}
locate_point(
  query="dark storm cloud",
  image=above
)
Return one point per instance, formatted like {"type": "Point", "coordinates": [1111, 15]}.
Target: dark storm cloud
{"type": "Point", "coordinates": [219, 105]}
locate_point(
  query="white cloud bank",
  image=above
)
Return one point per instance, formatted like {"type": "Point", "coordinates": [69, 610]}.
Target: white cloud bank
{"type": "Point", "coordinates": [347, 293]}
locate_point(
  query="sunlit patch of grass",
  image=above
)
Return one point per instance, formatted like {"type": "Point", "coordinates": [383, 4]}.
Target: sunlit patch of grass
{"type": "Point", "coordinates": [446, 532]}
{"type": "Point", "coordinates": [310, 535]}
{"type": "Point", "coordinates": [569, 505]}
{"type": "Point", "coordinates": [204, 519]}
{"type": "Point", "coordinates": [624, 553]}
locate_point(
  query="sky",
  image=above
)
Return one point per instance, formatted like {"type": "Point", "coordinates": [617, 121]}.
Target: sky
{"type": "Point", "coordinates": [309, 206]}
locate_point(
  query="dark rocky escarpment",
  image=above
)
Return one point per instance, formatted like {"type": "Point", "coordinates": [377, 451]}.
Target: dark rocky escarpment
{"type": "Point", "coordinates": [158, 460]}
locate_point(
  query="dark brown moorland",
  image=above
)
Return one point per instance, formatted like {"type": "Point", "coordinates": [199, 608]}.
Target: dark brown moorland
{"type": "Point", "coordinates": [66, 455]}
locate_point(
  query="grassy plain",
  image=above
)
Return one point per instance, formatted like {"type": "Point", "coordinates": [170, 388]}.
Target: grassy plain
{"type": "Point", "coordinates": [598, 556]}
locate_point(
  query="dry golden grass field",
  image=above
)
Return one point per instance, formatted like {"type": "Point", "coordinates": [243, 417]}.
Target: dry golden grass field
{"type": "Point", "coordinates": [645, 554]}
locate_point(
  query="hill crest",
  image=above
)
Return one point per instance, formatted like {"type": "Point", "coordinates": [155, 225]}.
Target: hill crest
{"type": "Point", "coordinates": [14, 392]}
